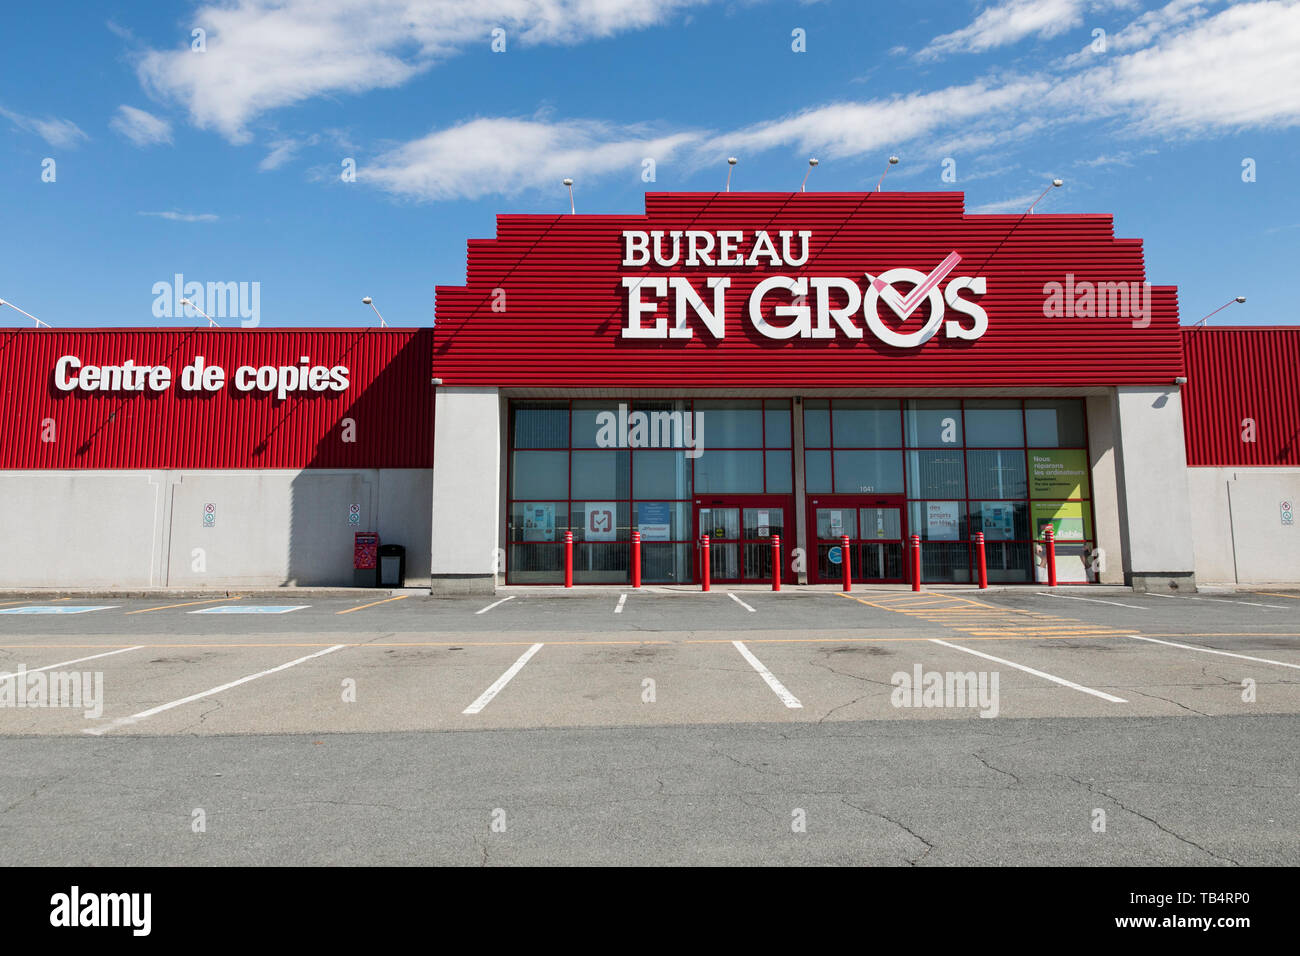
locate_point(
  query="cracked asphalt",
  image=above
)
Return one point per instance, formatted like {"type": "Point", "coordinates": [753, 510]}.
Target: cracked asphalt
{"type": "Point", "coordinates": [1126, 729]}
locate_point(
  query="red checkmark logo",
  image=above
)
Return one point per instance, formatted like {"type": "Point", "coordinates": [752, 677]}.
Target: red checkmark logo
{"type": "Point", "coordinates": [904, 307]}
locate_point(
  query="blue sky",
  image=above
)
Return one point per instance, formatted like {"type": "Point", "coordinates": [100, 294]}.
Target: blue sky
{"type": "Point", "coordinates": [224, 165]}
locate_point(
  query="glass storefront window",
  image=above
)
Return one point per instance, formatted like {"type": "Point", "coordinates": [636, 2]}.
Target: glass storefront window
{"type": "Point", "coordinates": [817, 423]}
{"type": "Point", "coordinates": [1055, 422]}
{"type": "Point", "coordinates": [617, 530]}
{"type": "Point", "coordinates": [937, 520]}
{"type": "Point", "coordinates": [776, 419]}
{"type": "Point", "coordinates": [932, 424]}
{"type": "Point", "coordinates": [661, 474]}
{"type": "Point", "coordinates": [780, 478]}
{"type": "Point", "coordinates": [817, 472]}
{"type": "Point", "coordinates": [732, 424]}
{"type": "Point", "coordinates": [602, 473]}
{"type": "Point", "coordinates": [541, 425]}
{"type": "Point", "coordinates": [868, 472]}
{"type": "Point", "coordinates": [540, 474]}
{"type": "Point", "coordinates": [994, 424]}
{"type": "Point", "coordinates": [729, 472]}
{"type": "Point", "coordinates": [935, 474]}
{"type": "Point", "coordinates": [586, 427]}
{"type": "Point", "coordinates": [1000, 520]}
{"type": "Point", "coordinates": [996, 473]}
{"type": "Point", "coordinates": [866, 423]}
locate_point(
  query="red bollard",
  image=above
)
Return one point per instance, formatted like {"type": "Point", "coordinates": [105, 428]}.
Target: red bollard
{"type": "Point", "coordinates": [916, 562]}
{"type": "Point", "coordinates": [776, 562]}
{"type": "Point", "coordinates": [636, 559]}
{"type": "Point", "coordinates": [568, 559]}
{"type": "Point", "coordinates": [845, 564]}
{"type": "Point", "coordinates": [704, 562]}
{"type": "Point", "coordinates": [1049, 539]}
{"type": "Point", "coordinates": [979, 560]}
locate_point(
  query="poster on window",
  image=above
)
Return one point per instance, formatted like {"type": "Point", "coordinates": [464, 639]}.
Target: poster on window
{"type": "Point", "coordinates": [601, 523]}
{"type": "Point", "coordinates": [653, 520]}
{"type": "Point", "coordinates": [941, 520]}
{"type": "Point", "coordinates": [998, 521]}
{"type": "Point", "coordinates": [539, 521]}
{"type": "Point", "coordinates": [764, 524]}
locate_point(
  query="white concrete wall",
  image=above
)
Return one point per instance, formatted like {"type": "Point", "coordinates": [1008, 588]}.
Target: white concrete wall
{"type": "Point", "coordinates": [467, 505]}
{"type": "Point", "coordinates": [1103, 425]}
{"type": "Point", "coordinates": [1155, 507]}
{"type": "Point", "coordinates": [137, 529]}
{"type": "Point", "coordinates": [1237, 525]}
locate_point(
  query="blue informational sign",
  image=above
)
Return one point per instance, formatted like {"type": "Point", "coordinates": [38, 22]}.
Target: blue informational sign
{"type": "Point", "coordinates": [57, 608]}
{"type": "Point", "coordinates": [252, 609]}
{"type": "Point", "coordinates": [834, 556]}
{"type": "Point", "coordinates": [654, 520]}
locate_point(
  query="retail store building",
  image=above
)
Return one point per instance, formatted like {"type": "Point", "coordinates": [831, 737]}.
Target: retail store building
{"type": "Point", "coordinates": [745, 365]}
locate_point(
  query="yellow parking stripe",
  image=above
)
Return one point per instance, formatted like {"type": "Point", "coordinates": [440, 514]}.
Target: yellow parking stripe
{"type": "Point", "coordinates": [1294, 597]}
{"type": "Point", "coordinates": [374, 603]}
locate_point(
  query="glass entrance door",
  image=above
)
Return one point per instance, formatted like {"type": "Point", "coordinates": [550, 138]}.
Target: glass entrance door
{"type": "Point", "coordinates": [874, 526]}
{"type": "Point", "coordinates": [740, 534]}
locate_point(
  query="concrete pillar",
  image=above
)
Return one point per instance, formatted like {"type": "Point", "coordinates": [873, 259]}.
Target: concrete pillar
{"type": "Point", "coordinates": [1103, 421]}
{"type": "Point", "coordinates": [800, 493]}
{"type": "Point", "coordinates": [466, 482]}
{"type": "Point", "coordinates": [1155, 506]}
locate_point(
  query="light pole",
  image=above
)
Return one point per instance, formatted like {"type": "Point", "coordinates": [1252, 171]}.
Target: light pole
{"type": "Point", "coordinates": [1205, 321]}
{"type": "Point", "coordinates": [211, 321]}
{"type": "Point", "coordinates": [893, 161]}
{"type": "Point", "coordinates": [569, 182]}
{"type": "Point", "coordinates": [371, 302]}
{"type": "Point", "coordinates": [731, 164]}
{"type": "Point", "coordinates": [38, 322]}
{"type": "Point", "coordinates": [1055, 183]}
{"type": "Point", "coordinates": [803, 186]}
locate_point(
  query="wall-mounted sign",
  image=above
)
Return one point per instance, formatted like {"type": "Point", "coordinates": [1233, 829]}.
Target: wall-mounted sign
{"type": "Point", "coordinates": [71, 375]}
{"type": "Point", "coordinates": [783, 306]}
{"type": "Point", "coordinates": [209, 515]}
{"type": "Point", "coordinates": [653, 519]}
{"type": "Point", "coordinates": [602, 521]}
{"type": "Point", "coordinates": [354, 514]}
{"type": "Point", "coordinates": [1288, 513]}
{"type": "Point", "coordinates": [539, 521]}
{"type": "Point", "coordinates": [1069, 519]}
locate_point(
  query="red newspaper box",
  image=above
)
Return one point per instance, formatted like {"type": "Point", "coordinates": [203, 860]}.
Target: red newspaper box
{"type": "Point", "coordinates": [365, 559]}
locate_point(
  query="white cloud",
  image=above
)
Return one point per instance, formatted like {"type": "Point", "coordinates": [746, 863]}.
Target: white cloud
{"type": "Point", "coordinates": [141, 128]}
{"type": "Point", "coordinates": [1011, 21]}
{"type": "Point", "coordinates": [264, 54]}
{"type": "Point", "coordinates": [60, 133]}
{"type": "Point", "coordinates": [504, 156]}
{"type": "Point", "coordinates": [174, 216]}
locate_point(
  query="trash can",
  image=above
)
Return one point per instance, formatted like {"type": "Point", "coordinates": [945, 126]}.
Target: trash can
{"type": "Point", "coordinates": [392, 566]}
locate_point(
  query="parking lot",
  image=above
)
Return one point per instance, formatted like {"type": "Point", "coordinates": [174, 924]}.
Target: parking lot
{"type": "Point", "coordinates": [754, 702]}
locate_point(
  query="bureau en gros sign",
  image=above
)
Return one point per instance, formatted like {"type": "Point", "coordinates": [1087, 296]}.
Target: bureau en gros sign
{"type": "Point", "coordinates": [808, 307]}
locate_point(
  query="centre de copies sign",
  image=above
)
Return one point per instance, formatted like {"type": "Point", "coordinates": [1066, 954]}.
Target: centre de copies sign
{"type": "Point", "coordinates": [836, 301]}
{"type": "Point", "coordinates": [71, 375]}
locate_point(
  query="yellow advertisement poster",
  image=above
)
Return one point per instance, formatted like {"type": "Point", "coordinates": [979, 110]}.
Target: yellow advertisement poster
{"type": "Point", "coordinates": [1058, 473]}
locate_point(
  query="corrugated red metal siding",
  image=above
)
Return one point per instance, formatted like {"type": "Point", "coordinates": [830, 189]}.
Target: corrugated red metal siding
{"type": "Point", "coordinates": [565, 307]}
{"type": "Point", "coordinates": [1236, 374]}
{"type": "Point", "coordinates": [389, 397]}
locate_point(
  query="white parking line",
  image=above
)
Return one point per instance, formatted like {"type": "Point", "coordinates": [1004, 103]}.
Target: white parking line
{"type": "Point", "coordinates": [787, 698]}
{"type": "Point", "coordinates": [1067, 597]}
{"type": "Point", "coordinates": [740, 602]}
{"type": "Point", "coordinates": [495, 604]}
{"type": "Point", "coordinates": [1029, 670]}
{"type": "Point", "coordinates": [486, 697]}
{"type": "Point", "coordinates": [50, 667]}
{"type": "Point", "coordinates": [1191, 597]}
{"type": "Point", "coordinates": [622, 599]}
{"type": "Point", "coordinates": [123, 721]}
{"type": "Point", "coordinates": [1210, 650]}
